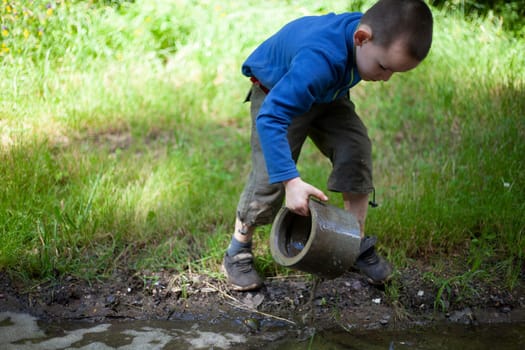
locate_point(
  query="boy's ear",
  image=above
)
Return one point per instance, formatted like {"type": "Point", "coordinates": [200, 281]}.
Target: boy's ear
{"type": "Point", "coordinates": [362, 35]}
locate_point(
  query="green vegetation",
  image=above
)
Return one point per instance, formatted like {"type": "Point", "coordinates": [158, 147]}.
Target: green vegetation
{"type": "Point", "coordinates": [124, 139]}
{"type": "Point", "coordinates": [508, 12]}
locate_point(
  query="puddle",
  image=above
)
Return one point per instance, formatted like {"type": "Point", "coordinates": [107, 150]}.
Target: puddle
{"type": "Point", "coordinates": [22, 331]}
{"type": "Point", "coordinates": [444, 336]}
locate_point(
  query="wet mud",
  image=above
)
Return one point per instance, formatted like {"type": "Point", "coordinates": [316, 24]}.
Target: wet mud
{"type": "Point", "coordinates": [297, 302]}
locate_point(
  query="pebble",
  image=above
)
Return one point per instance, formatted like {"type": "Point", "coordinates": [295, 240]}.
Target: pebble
{"type": "Point", "coordinates": [253, 300]}
{"type": "Point", "coordinates": [159, 285]}
{"type": "Point", "coordinates": [464, 316]}
{"type": "Point", "coordinates": [357, 285]}
{"type": "Point", "coordinates": [111, 300]}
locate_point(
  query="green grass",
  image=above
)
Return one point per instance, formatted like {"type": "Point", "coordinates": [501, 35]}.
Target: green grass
{"type": "Point", "coordinates": [124, 139]}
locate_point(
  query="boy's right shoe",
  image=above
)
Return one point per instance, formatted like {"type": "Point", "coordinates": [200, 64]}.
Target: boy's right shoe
{"type": "Point", "coordinates": [377, 270]}
{"type": "Point", "coordinates": [240, 271]}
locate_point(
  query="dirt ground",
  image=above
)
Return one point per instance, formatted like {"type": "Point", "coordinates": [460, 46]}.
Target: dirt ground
{"type": "Point", "coordinates": [347, 301]}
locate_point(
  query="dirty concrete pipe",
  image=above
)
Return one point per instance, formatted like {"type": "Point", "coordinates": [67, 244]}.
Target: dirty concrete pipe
{"type": "Point", "coordinates": [326, 243]}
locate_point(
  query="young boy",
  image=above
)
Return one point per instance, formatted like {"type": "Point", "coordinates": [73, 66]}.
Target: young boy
{"type": "Point", "coordinates": [301, 79]}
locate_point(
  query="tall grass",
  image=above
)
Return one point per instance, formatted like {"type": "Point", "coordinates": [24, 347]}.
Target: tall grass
{"type": "Point", "coordinates": [458, 150]}
{"type": "Point", "coordinates": [124, 139]}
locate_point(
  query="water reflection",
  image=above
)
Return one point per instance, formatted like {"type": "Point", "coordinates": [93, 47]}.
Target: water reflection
{"type": "Point", "coordinates": [21, 332]}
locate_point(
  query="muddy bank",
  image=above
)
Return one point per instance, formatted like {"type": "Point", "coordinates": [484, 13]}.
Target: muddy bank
{"type": "Point", "coordinates": [348, 302]}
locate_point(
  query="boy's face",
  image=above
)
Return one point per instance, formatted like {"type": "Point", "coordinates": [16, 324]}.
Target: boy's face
{"type": "Point", "coordinates": [377, 63]}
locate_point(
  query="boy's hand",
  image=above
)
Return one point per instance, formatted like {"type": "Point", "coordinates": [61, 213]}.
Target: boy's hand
{"type": "Point", "coordinates": [297, 194]}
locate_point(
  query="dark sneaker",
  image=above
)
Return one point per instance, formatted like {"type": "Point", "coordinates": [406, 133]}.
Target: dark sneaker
{"type": "Point", "coordinates": [374, 267]}
{"type": "Point", "coordinates": [240, 271]}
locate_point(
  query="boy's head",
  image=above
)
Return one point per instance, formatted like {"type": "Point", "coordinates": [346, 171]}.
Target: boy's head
{"type": "Point", "coordinates": [393, 36]}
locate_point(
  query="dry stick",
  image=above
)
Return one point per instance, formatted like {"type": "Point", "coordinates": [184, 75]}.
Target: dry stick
{"type": "Point", "coordinates": [237, 303]}
{"type": "Point", "coordinates": [286, 277]}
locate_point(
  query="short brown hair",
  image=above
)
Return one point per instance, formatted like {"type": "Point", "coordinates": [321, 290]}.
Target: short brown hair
{"type": "Point", "coordinates": [409, 20]}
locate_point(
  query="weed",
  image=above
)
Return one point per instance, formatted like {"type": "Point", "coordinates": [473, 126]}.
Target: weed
{"type": "Point", "coordinates": [452, 289]}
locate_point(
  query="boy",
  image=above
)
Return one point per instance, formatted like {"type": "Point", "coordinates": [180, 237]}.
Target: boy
{"type": "Point", "coordinates": [301, 79]}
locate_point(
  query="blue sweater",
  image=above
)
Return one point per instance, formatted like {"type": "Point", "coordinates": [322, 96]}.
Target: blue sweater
{"type": "Point", "coordinates": [310, 60]}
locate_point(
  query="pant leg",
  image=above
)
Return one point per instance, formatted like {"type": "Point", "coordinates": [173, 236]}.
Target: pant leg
{"type": "Point", "coordinates": [260, 201]}
{"type": "Point", "coordinates": [340, 135]}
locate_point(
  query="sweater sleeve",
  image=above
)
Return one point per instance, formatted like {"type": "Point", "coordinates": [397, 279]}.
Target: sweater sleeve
{"type": "Point", "coordinates": [294, 94]}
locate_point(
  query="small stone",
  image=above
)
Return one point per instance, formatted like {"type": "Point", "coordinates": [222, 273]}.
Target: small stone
{"type": "Point", "coordinates": [197, 280]}
{"type": "Point", "coordinates": [111, 301]}
{"type": "Point", "coordinates": [357, 285]}
{"type": "Point", "coordinates": [464, 316]}
{"type": "Point", "coordinates": [159, 285]}
{"type": "Point", "coordinates": [420, 293]}
{"type": "Point", "coordinates": [383, 321]}
{"type": "Point", "coordinates": [253, 300]}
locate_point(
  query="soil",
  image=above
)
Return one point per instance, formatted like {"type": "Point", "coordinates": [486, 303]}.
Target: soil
{"type": "Point", "coordinates": [295, 301]}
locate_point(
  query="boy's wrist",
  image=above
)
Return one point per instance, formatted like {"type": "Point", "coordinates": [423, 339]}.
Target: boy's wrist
{"type": "Point", "coordinates": [292, 180]}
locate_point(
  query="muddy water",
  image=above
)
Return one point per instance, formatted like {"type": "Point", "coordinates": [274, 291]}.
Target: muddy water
{"type": "Point", "coordinates": [445, 336]}
{"type": "Point", "coordinates": [21, 331]}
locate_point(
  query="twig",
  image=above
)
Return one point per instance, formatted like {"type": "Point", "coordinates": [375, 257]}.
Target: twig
{"type": "Point", "coordinates": [291, 277]}
{"type": "Point", "coordinates": [237, 303]}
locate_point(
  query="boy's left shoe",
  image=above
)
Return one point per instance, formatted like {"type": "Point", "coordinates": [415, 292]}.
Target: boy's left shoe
{"type": "Point", "coordinates": [374, 267]}
{"type": "Point", "coordinates": [240, 271]}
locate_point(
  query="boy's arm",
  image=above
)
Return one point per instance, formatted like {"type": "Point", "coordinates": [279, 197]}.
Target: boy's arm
{"type": "Point", "coordinates": [309, 76]}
